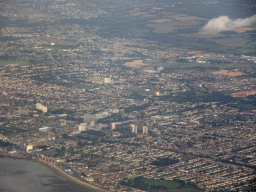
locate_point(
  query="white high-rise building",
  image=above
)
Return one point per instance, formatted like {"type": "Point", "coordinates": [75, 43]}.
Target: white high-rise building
{"type": "Point", "coordinates": [145, 130]}
{"type": "Point", "coordinates": [157, 93]}
{"type": "Point", "coordinates": [29, 147]}
{"type": "Point", "coordinates": [92, 123]}
{"type": "Point", "coordinates": [113, 126]}
{"type": "Point", "coordinates": [82, 126]}
{"type": "Point", "coordinates": [134, 128]}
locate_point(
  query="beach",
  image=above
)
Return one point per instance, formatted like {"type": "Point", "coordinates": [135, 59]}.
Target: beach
{"type": "Point", "coordinates": [62, 173]}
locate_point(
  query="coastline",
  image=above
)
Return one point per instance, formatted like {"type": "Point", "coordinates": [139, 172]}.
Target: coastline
{"type": "Point", "coordinates": [70, 177]}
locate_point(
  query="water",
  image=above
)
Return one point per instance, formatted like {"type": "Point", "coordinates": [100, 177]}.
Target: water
{"type": "Point", "coordinates": [20, 175]}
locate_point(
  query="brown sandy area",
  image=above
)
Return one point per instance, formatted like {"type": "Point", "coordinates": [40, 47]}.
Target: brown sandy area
{"type": "Point", "coordinates": [135, 63]}
{"type": "Point", "coordinates": [58, 170]}
{"type": "Point", "coordinates": [227, 72]}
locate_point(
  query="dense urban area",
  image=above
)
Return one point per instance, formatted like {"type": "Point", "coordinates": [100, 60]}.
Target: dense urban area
{"type": "Point", "coordinates": [114, 110]}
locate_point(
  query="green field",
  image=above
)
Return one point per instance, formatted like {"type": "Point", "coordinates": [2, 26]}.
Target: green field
{"type": "Point", "coordinates": [17, 62]}
{"type": "Point", "coordinates": [124, 24]}
{"type": "Point", "coordinates": [167, 184]}
{"type": "Point", "coordinates": [245, 106]}
{"type": "Point", "coordinates": [183, 64]}
{"type": "Point", "coordinates": [161, 185]}
{"type": "Point", "coordinates": [85, 86]}
{"type": "Point", "coordinates": [249, 103]}
{"type": "Point", "coordinates": [14, 72]}
{"type": "Point", "coordinates": [144, 92]}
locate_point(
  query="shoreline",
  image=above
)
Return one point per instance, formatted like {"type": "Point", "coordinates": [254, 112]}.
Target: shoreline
{"type": "Point", "coordinates": [59, 171]}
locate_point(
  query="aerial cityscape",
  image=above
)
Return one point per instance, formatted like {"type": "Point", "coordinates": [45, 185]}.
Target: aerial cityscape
{"type": "Point", "coordinates": [137, 95]}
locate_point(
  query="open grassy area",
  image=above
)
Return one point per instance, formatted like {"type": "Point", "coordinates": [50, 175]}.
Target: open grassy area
{"type": "Point", "coordinates": [77, 85]}
{"type": "Point", "coordinates": [14, 72]}
{"type": "Point", "coordinates": [171, 23]}
{"type": "Point", "coordinates": [156, 182]}
{"type": "Point", "coordinates": [85, 86]}
{"type": "Point", "coordinates": [183, 65]}
{"type": "Point", "coordinates": [228, 92]}
{"type": "Point", "coordinates": [167, 29]}
{"type": "Point", "coordinates": [17, 62]}
{"type": "Point", "coordinates": [245, 106]}
{"type": "Point", "coordinates": [194, 97]}
{"type": "Point", "coordinates": [161, 185]}
{"type": "Point", "coordinates": [144, 92]}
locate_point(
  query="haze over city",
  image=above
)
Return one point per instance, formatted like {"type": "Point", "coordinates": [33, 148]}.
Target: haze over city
{"type": "Point", "coordinates": [117, 95]}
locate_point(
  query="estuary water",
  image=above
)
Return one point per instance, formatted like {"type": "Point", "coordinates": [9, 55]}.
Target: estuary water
{"type": "Point", "coordinates": [20, 175]}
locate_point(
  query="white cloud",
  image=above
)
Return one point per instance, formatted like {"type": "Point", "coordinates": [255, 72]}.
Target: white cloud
{"type": "Point", "coordinates": [224, 23]}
